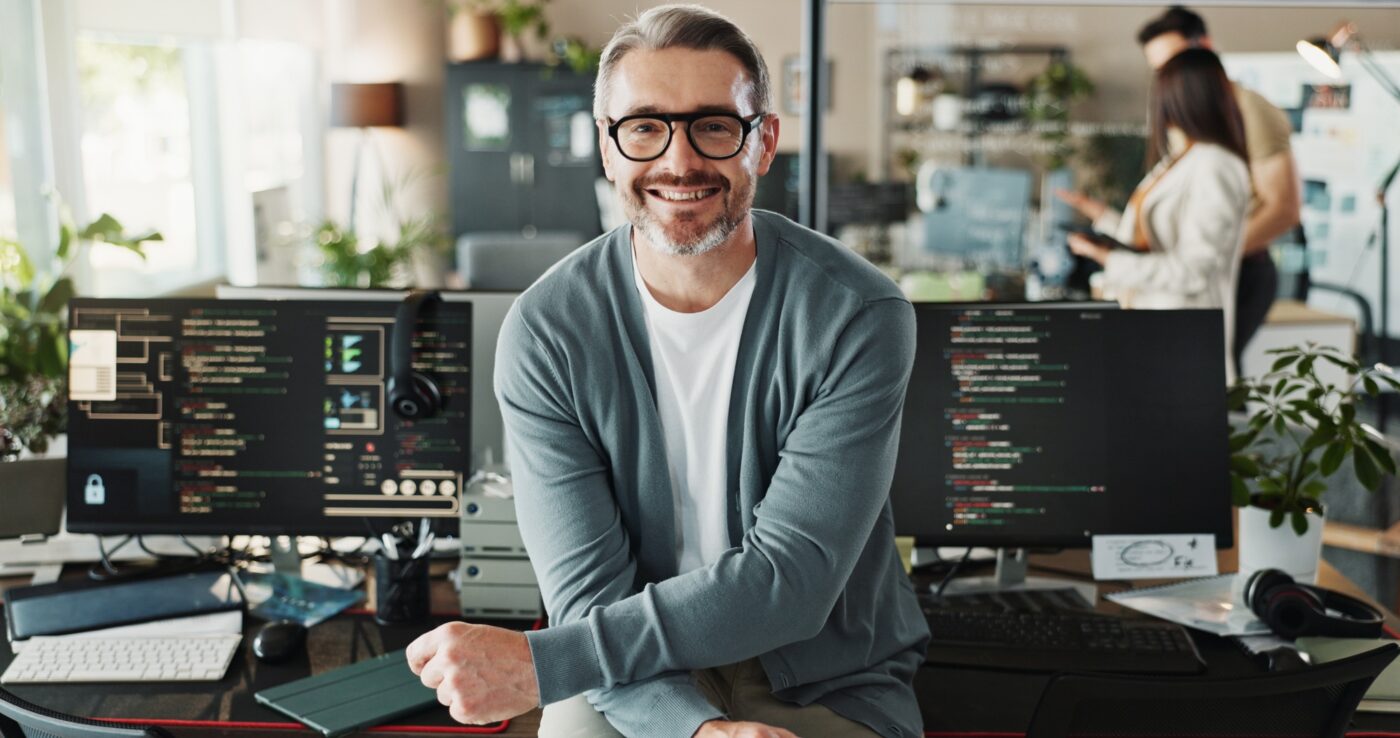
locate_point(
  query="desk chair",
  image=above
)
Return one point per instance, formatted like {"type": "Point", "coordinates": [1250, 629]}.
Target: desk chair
{"type": "Point", "coordinates": [1317, 701]}
{"type": "Point", "coordinates": [20, 719]}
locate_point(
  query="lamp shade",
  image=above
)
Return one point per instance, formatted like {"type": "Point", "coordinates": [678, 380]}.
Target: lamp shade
{"type": "Point", "coordinates": [1322, 56]}
{"type": "Point", "coordinates": [366, 104]}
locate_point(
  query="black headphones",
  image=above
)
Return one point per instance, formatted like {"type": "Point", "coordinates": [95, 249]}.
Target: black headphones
{"type": "Point", "coordinates": [1291, 609]}
{"type": "Point", "coordinates": [413, 395]}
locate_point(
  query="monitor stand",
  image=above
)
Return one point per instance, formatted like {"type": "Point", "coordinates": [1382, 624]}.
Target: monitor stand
{"type": "Point", "coordinates": [1010, 576]}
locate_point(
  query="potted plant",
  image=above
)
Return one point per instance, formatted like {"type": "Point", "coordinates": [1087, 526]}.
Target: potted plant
{"type": "Point", "coordinates": [1300, 430]}
{"type": "Point", "coordinates": [344, 263]}
{"type": "Point", "coordinates": [33, 336]}
{"type": "Point", "coordinates": [518, 18]}
{"type": "Point", "coordinates": [473, 31]}
{"type": "Point", "coordinates": [1047, 104]}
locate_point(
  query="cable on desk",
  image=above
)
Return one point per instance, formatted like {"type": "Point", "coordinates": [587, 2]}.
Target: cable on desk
{"type": "Point", "coordinates": [952, 572]}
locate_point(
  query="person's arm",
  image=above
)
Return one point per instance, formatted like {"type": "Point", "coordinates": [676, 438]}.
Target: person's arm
{"type": "Point", "coordinates": [573, 530]}
{"type": "Point", "coordinates": [779, 585]}
{"type": "Point", "coordinates": [1211, 221]}
{"type": "Point", "coordinates": [1279, 209]}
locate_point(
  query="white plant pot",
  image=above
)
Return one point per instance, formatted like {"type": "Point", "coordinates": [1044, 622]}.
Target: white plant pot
{"type": "Point", "coordinates": [947, 112]}
{"type": "Point", "coordinates": [1262, 547]}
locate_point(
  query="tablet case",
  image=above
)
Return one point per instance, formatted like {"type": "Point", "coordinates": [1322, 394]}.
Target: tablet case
{"type": "Point", "coordinates": [361, 695]}
{"type": "Point", "coordinates": [75, 606]}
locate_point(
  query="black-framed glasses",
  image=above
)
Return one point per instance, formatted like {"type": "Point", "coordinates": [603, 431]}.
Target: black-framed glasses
{"type": "Point", "coordinates": [646, 136]}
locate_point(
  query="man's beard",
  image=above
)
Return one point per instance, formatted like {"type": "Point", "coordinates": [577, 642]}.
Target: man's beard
{"type": "Point", "coordinates": [688, 236]}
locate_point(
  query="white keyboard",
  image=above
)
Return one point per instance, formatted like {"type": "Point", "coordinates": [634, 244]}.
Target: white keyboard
{"type": "Point", "coordinates": [194, 658]}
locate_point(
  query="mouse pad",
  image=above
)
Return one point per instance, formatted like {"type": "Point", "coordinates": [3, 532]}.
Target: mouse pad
{"type": "Point", "coordinates": [363, 694]}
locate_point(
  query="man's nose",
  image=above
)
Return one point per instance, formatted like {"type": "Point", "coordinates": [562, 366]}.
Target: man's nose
{"type": "Point", "coordinates": [680, 157]}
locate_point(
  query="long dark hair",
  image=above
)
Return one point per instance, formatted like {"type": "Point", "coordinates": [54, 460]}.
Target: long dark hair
{"type": "Point", "coordinates": [1192, 92]}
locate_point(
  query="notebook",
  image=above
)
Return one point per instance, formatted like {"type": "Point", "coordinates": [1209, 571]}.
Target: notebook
{"type": "Point", "coordinates": [361, 695]}
{"type": "Point", "coordinates": [72, 607]}
{"type": "Point", "coordinates": [1211, 604]}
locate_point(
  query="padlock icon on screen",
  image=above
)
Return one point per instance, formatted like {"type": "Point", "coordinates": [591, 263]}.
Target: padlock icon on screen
{"type": "Point", "coordinates": [95, 492]}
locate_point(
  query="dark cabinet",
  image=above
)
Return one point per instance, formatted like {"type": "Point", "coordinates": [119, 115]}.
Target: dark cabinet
{"type": "Point", "coordinates": [523, 149]}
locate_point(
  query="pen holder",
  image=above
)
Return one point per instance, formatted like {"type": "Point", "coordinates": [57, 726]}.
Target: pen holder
{"type": "Point", "coordinates": [400, 590]}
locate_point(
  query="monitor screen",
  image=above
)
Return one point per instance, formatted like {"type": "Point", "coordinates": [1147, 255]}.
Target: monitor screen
{"type": "Point", "coordinates": [259, 416]}
{"type": "Point", "coordinates": [489, 308]}
{"type": "Point", "coordinates": [1036, 427]}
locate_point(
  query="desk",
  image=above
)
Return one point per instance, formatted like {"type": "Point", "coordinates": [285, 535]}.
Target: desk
{"type": "Point", "coordinates": [955, 701]}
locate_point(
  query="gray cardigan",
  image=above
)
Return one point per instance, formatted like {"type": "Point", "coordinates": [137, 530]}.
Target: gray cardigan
{"type": "Point", "coordinates": [812, 586]}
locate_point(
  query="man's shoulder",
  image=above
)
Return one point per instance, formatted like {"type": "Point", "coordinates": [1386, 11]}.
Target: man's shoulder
{"type": "Point", "coordinates": [1267, 128]}
{"type": "Point", "coordinates": [819, 265]}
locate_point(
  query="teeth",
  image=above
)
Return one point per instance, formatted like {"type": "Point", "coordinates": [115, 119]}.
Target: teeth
{"type": "Point", "coordinates": [682, 196]}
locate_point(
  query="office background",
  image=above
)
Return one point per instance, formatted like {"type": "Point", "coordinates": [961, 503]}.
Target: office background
{"type": "Point", "coordinates": [214, 122]}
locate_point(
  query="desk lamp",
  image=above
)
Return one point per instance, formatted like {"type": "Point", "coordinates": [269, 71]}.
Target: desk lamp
{"type": "Point", "coordinates": [365, 106]}
{"type": "Point", "coordinates": [1323, 54]}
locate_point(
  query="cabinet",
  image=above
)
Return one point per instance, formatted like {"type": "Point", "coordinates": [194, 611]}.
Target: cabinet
{"type": "Point", "coordinates": [523, 149]}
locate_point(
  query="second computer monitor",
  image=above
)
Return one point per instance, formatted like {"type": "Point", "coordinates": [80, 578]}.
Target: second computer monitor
{"type": "Point", "coordinates": [1037, 427]}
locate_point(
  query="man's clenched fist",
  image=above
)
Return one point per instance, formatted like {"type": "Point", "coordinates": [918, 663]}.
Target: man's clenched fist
{"type": "Point", "coordinates": [483, 674]}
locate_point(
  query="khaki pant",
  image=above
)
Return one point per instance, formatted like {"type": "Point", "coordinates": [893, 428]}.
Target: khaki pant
{"type": "Point", "coordinates": [740, 690]}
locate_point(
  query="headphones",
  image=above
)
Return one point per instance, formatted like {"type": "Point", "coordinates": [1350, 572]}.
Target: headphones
{"type": "Point", "coordinates": [1291, 609]}
{"type": "Point", "coordinates": [413, 395]}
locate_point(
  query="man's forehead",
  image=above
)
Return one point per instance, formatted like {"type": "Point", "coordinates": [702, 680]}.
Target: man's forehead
{"type": "Point", "coordinates": [679, 80]}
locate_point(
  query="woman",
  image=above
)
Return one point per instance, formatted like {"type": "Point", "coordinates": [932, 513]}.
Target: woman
{"type": "Point", "coordinates": [1184, 224]}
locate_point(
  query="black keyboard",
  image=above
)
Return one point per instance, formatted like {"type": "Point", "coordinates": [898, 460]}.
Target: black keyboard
{"type": "Point", "coordinates": [1058, 641]}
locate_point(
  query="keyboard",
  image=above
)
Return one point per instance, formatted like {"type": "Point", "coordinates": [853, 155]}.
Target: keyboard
{"type": "Point", "coordinates": [202, 658]}
{"type": "Point", "coordinates": [1054, 641]}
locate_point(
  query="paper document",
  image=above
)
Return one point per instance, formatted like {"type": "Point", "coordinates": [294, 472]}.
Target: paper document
{"type": "Point", "coordinates": [1154, 556]}
{"type": "Point", "coordinates": [1212, 605]}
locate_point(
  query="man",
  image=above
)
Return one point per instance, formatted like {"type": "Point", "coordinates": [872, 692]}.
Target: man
{"type": "Point", "coordinates": [1275, 208]}
{"type": "Point", "coordinates": [703, 414]}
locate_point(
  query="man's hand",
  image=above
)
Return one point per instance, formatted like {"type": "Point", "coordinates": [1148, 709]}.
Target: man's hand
{"type": "Point", "coordinates": [1087, 206]}
{"type": "Point", "coordinates": [483, 674]}
{"type": "Point", "coordinates": [728, 729]}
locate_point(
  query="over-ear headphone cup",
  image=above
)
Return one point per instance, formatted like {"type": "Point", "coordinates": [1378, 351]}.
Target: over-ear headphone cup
{"type": "Point", "coordinates": [420, 400]}
{"type": "Point", "coordinates": [1292, 611]}
{"type": "Point", "coordinates": [1259, 584]}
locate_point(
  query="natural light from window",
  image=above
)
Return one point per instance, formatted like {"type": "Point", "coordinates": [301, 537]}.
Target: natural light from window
{"type": "Point", "coordinates": [8, 226]}
{"type": "Point", "coordinates": [137, 154]}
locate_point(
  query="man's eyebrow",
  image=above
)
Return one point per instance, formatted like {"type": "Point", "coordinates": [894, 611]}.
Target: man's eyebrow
{"type": "Point", "coordinates": [703, 109]}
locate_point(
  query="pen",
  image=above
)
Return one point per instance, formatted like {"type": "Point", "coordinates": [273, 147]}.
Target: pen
{"type": "Point", "coordinates": [391, 547]}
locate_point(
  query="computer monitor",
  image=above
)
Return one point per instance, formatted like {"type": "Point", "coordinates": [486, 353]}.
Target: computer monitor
{"type": "Point", "coordinates": [1029, 426]}
{"type": "Point", "coordinates": [260, 416]}
{"type": "Point", "coordinates": [489, 310]}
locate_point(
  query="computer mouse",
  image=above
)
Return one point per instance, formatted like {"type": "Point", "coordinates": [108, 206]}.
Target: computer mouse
{"type": "Point", "coordinates": [278, 640]}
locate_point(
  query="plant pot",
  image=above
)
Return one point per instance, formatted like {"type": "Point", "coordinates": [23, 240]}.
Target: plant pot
{"type": "Point", "coordinates": [512, 49]}
{"type": "Point", "coordinates": [947, 112]}
{"type": "Point", "coordinates": [473, 36]}
{"type": "Point", "coordinates": [1262, 547]}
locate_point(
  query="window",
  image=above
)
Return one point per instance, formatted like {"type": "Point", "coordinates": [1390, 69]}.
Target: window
{"type": "Point", "coordinates": [138, 155]}
{"type": "Point", "coordinates": [9, 227]}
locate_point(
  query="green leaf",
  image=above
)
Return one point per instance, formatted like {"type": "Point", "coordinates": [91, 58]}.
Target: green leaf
{"type": "Point", "coordinates": [1278, 386]}
{"type": "Point", "coordinates": [1245, 466]}
{"type": "Point", "coordinates": [1283, 362]}
{"type": "Point", "coordinates": [1332, 459]}
{"type": "Point", "coordinates": [1300, 522]}
{"type": "Point", "coordinates": [1314, 489]}
{"type": "Point", "coordinates": [58, 296]}
{"type": "Point", "coordinates": [1236, 398]}
{"type": "Point", "coordinates": [1350, 367]}
{"type": "Point", "coordinates": [1348, 411]}
{"type": "Point", "coordinates": [1366, 470]}
{"type": "Point", "coordinates": [1241, 441]}
{"type": "Point", "coordinates": [1276, 517]}
{"type": "Point", "coordinates": [1372, 388]}
{"type": "Point", "coordinates": [1382, 455]}
{"type": "Point", "coordinates": [1305, 366]}
{"type": "Point", "coordinates": [65, 239]}
{"type": "Point", "coordinates": [1239, 491]}
{"type": "Point", "coordinates": [1270, 485]}
{"type": "Point", "coordinates": [16, 270]}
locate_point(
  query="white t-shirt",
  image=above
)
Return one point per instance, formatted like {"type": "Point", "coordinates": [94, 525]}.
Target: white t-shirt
{"type": "Point", "coordinates": [693, 356]}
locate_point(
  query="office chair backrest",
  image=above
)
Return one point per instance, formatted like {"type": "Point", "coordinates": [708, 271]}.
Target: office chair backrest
{"type": "Point", "coordinates": [21, 719]}
{"type": "Point", "coordinates": [510, 261]}
{"type": "Point", "coordinates": [1317, 701]}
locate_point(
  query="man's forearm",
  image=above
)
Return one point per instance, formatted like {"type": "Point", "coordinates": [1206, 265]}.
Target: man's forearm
{"type": "Point", "coordinates": [1266, 224]}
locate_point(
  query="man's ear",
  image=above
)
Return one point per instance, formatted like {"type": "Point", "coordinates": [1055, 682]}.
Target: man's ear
{"type": "Point", "coordinates": [769, 137]}
{"type": "Point", "coordinates": [605, 149]}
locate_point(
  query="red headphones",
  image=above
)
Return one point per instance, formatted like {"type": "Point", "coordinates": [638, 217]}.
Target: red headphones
{"type": "Point", "coordinates": [1293, 610]}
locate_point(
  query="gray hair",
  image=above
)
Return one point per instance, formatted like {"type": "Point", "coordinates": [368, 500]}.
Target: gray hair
{"type": "Point", "coordinates": [687, 27]}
